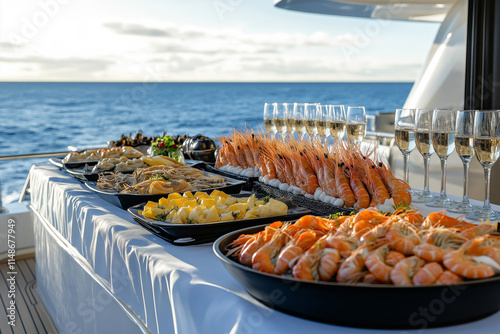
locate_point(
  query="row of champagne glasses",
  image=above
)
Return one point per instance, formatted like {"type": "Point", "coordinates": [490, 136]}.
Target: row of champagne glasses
{"type": "Point", "coordinates": [442, 131]}
{"type": "Point", "coordinates": [313, 120]}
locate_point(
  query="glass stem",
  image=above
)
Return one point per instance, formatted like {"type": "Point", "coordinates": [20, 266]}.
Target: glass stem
{"type": "Point", "coordinates": [465, 199]}
{"type": "Point", "coordinates": [426, 175]}
{"type": "Point", "coordinates": [487, 174]}
{"type": "Point", "coordinates": [443, 177]}
{"type": "Point", "coordinates": [406, 166]}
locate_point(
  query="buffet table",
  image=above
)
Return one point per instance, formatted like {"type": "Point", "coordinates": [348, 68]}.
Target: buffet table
{"type": "Point", "coordinates": [99, 271]}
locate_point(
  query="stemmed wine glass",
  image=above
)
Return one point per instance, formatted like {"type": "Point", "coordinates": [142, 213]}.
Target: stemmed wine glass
{"type": "Point", "coordinates": [322, 118]}
{"type": "Point", "coordinates": [356, 124]}
{"type": "Point", "coordinates": [289, 120]}
{"type": "Point", "coordinates": [443, 139]}
{"type": "Point", "coordinates": [404, 125]}
{"type": "Point", "coordinates": [423, 126]}
{"type": "Point", "coordinates": [279, 118]}
{"type": "Point", "coordinates": [269, 117]}
{"type": "Point", "coordinates": [464, 146]}
{"type": "Point", "coordinates": [310, 111]}
{"type": "Point", "coordinates": [298, 115]}
{"type": "Point", "coordinates": [487, 149]}
{"type": "Point", "coordinates": [337, 121]}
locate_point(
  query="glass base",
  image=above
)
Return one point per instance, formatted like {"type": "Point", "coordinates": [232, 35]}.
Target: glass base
{"type": "Point", "coordinates": [482, 214]}
{"type": "Point", "coordinates": [438, 202]}
{"type": "Point", "coordinates": [421, 197]}
{"type": "Point", "coordinates": [460, 207]}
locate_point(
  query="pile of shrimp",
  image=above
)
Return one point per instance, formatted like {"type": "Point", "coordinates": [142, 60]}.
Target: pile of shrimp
{"type": "Point", "coordinates": [401, 249]}
{"type": "Point", "coordinates": [340, 175]}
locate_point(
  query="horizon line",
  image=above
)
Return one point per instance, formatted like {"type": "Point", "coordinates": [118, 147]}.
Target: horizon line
{"type": "Point", "coordinates": [221, 82]}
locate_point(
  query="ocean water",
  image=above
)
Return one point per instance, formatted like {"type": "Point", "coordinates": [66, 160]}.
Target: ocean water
{"type": "Point", "coordinates": [45, 117]}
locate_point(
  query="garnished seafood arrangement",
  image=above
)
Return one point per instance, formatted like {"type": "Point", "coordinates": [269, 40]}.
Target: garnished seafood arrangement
{"type": "Point", "coordinates": [103, 153]}
{"type": "Point", "coordinates": [340, 175]}
{"type": "Point", "coordinates": [403, 249]}
{"type": "Point", "coordinates": [203, 208]}
{"type": "Point", "coordinates": [160, 179]}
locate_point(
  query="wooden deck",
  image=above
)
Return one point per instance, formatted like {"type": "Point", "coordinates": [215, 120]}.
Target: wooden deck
{"type": "Point", "coordinates": [31, 316]}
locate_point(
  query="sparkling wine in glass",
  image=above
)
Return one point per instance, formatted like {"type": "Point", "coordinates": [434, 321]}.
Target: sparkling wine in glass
{"type": "Point", "coordinates": [289, 120]}
{"type": "Point", "coordinates": [279, 116]}
{"type": "Point", "coordinates": [423, 134]}
{"type": "Point", "coordinates": [464, 146]}
{"type": "Point", "coordinates": [336, 121]}
{"type": "Point", "coordinates": [298, 115]}
{"type": "Point", "coordinates": [310, 112]}
{"type": "Point", "coordinates": [356, 124]}
{"type": "Point", "coordinates": [487, 150]}
{"type": "Point", "coordinates": [321, 121]}
{"type": "Point", "coordinates": [268, 117]}
{"type": "Point", "coordinates": [404, 126]}
{"type": "Point", "coordinates": [443, 139]}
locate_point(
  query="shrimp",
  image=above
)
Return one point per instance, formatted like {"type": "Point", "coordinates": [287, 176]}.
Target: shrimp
{"type": "Point", "coordinates": [488, 246]}
{"type": "Point", "coordinates": [253, 244]}
{"type": "Point", "coordinates": [440, 219]}
{"type": "Point", "coordinates": [351, 270]}
{"type": "Point", "coordinates": [264, 259]}
{"type": "Point", "coordinates": [405, 270]}
{"type": "Point", "coordinates": [464, 265]}
{"type": "Point", "coordinates": [360, 193]}
{"type": "Point", "coordinates": [290, 253]}
{"type": "Point", "coordinates": [428, 274]}
{"type": "Point", "coordinates": [393, 257]}
{"type": "Point", "coordinates": [399, 189]}
{"type": "Point", "coordinates": [330, 187]}
{"type": "Point", "coordinates": [448, 277]}
{"type": "Point", "coordinates": [317, 263]}
{"type": "Point", "coordinates": [375, 185]}
{"type": "Point", "coordinates": [439, 242]}
{"type": "Point", "coordinates": [377, 265]}
{"type": "Point", "coordinates": [345, 245]}
{"type": "Point", "coordinates": [310, 179]}
{"type": "Point", "coordinates": [477, 231]}
{"type": "Point", "coordinates": [343, 188]}
{"type": "Point", "coordinates": [403, 237]}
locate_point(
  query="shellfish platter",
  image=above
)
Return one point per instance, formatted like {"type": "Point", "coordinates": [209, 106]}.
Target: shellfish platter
{"type": "Point", "coordinates": [341, 174]}
{"type": "Point", "coordinates": [344, 266]}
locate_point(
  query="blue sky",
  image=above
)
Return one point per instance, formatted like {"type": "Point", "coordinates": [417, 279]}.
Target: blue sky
{"type": "Point", "coordinates": [201, 40]}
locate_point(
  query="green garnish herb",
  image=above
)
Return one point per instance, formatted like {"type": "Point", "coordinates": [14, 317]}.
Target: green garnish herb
{"type": "Point", "coordinates": [335, 215]}
{"type": "Point", "coordinates": [158, 177]}
{"type": "Point", "coordinates": [189, 221]}
{"type": "Point", "coordinates": [165, 146]}
{"type": "Point", "coordinates": [161, 207]}
{"type": "Point", "coordinates": [162, 216]}
{"type": "Point", "coordinates": [235, 214]}
{"type": "Point", "coordinates": [266, 199]}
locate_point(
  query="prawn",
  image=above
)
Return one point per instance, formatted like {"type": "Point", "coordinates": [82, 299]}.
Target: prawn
{"type": "Point", "coordinates": [464, 265]}
{"type": "Point", "coordinates": [405, 270]}
{"type": "Point", "coordinates": [428, 274]}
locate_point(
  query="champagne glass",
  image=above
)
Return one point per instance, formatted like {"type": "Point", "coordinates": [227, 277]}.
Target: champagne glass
{"type": "Point", "coordinates": [487, 149]}
{"type": "Point", "coordinates": [356, 124]}
{"type": "Point", "coordinates": [337, 121]}
{"type": "Point", "coordinates": [443, 139]}
{"type": "Point", "coordinates": [423, 126]}
{"type": "Point", "coordinates": [268, 117]}
{"type": "Point", "coordinates": [289, 120]}
{"type": "Point", "coordinates": [321, 121]}
{"type": "Point", "coordinates": [464, 146]}
{"type": "Point", "coordinates": [404, 125]}
{"type": "Point", "coordinates": [298, 115]}
{"type": "Point", "coordinates": [279, 118]}
{"type": "Point", "coordinates": [310, 111]}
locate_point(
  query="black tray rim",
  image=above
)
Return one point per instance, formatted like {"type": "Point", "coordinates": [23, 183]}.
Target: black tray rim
{"type": "Point", "coordinates": [165, 225]}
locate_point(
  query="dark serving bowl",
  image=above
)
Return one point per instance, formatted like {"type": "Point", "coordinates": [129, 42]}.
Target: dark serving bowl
{"type": "Point", "coordinates": [363, 305]}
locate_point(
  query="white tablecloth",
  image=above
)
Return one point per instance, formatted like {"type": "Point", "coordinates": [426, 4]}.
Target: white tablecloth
{"type": "Point", "coordinates": [172, 289]}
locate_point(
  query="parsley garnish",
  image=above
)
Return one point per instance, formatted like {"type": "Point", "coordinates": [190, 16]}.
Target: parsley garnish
{"type": "Point", "coordinates": [235, 214]}
{"type": "Point", "coordinates": [158, 177]}
{"type": "Point", "coordinates": [266, 199]}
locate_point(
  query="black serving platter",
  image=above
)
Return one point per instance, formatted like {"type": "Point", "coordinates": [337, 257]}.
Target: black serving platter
{"type": "Point", "coordinates": [57, 161]}
{"type": "Point", "coordinates": [125, 201]}
{"type": "Point", "coordinates": [210, 232]}
{"type": "Point", "coordinates": [364, 305]}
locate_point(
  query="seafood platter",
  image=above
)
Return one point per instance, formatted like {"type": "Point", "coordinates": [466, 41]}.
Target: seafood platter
{"type": "Point", "coordinates": [340, 176]}
{"type": "Point", "coordinates": [201, 217]}
{"type": "Point", "coordinates": [370, 269]}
